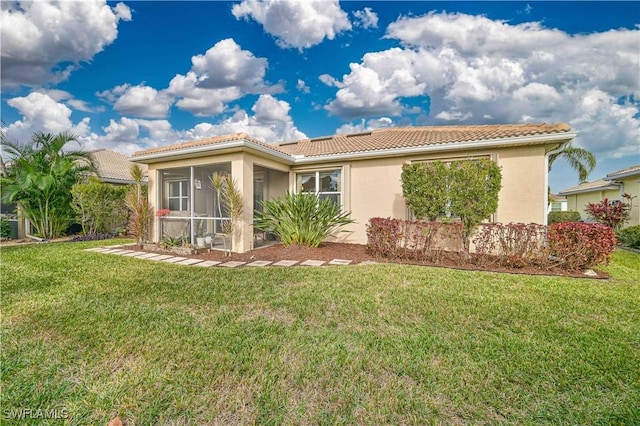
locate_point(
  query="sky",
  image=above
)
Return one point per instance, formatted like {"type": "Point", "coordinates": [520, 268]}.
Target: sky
{"type": "Point", "coordinates": [133, 75]}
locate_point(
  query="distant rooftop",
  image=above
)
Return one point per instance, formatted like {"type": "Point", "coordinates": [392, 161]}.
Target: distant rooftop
{"type": "Point", "coordinates": [113, 167]}
{"type": "Point", "coordinates": [601, 184]}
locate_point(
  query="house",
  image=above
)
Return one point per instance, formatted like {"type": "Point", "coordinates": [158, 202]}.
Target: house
{"type": "Point", "coordinates": [611, 187]}
{"type": "Point", "coordinates": [360, 171]}
{"type": "Point", "coordinates": [111, 167]}
{"type": "Point", "coordinates": [557, 203]}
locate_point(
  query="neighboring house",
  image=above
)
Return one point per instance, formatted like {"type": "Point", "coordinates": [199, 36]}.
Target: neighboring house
{"type": "Point", "coordinates": [111, 167]}
{"type": "Point", "coordinates": [557, 203]}
{"type": "Point", "coordinates": [361, 172]}
{"type": "Point", "coordinates": [611, 187]}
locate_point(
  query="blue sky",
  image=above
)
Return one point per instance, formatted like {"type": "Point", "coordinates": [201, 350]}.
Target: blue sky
{"type": "Point", "coordinates": [132, 75]}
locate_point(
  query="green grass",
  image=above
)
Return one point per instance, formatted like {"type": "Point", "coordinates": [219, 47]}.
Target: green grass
{"type": "Point", "coordinates": [102, 335]}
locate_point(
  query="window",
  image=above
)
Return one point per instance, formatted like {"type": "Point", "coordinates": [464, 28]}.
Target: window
{"type": "Point", "coordinates": [325, 183]}
{"type": "Point", "coordinates": [178, 195]}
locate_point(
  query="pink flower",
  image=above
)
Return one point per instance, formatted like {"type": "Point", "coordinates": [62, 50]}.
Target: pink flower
{"type": "Point", "coordinates": [163, 212]}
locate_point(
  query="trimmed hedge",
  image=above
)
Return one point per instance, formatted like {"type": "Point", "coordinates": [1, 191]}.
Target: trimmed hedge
{"type": "Point", "coordinates": [629, 237]}
{"type": "Point", "coordinates": [559, 217]}
{"type": "Point", "coordinates": [405, 239]}
{"type": "Point", "coordinates": [571, 246]}
{"type": "Point", "coordinates": [581, 245]}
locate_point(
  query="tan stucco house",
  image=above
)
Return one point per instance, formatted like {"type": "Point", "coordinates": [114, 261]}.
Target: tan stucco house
{"type": "Point", "coordinates": [359, 171]}
{"type": "Point", "coordinates": [611, 187]}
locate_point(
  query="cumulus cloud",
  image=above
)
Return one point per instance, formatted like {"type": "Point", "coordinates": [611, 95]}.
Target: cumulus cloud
{"type": "Point", "coordinates": [302, 86]}
{"type": "Point", "coordinates": [42, 113]}
{"type": "Point", "coordinates": [366, 18]}
{"type": "Point", "coordinates": [295, 23]}
{"type": "Point", "coordinates": [223, 74]}
{"type": "Point", "coordinates": [270, 123]}
{"type": "Point", "coordinates": [365, 125]}
{"type": "Point", "coordinates": [139, 101]}
{"type": "Point", "coordinates": [475, 70]}
{"type": "Point", "coordinates": [38, 37]}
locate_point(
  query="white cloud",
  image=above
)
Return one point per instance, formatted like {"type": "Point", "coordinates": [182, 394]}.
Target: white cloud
{"type": "Point", "coordinates": [139, 101]}
{"type": "Point", "coordinates": [302, 86]}
{"type": "Point", "coordinates": [39, 36]}
{"type": "Point", "coordinates": [223, 74]}
{"type": "Point", "coordinates": [365, 125]}
{"type": "Point", "coordinates": [474, 69]}
{"type": "Point", "coordinates": [270, 123]}
{"type": "Point", "coordinates": [366, 18]}
{"type": "Point", "coordinates": [62, 95]}
{"type": "Point", "coordinates": [295, 23]}
{"type": "Point", "coordinates": [41, 113]}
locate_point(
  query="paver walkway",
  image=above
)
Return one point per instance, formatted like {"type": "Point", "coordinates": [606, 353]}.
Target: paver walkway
{"type": "Point", "coordinates": [185, 261]}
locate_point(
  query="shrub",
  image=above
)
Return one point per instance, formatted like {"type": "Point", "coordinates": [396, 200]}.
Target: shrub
{"type": "Point", "coordinates": [5, 228]}
{"type": "Point", "coordinates": [629, 237]}
{"type": "Point", "coordinates": [93, 236]}
{"type": "Point", "coordinates": [100, 206]}
{"type": "Point", "coordinates": [466, 189]}
{"type": "Point", "coordinates": [512, 245]}
{"type": "Point", "coordinates": [301, 219]}
{"type": "Point", "coordinates": [611, 213]}
{"type": "Point", "coordinates": [397, 239]}
{"type": "Point", "coordinates": [568, 216]}
{"type": "Point", "coordinates": [581, 245]}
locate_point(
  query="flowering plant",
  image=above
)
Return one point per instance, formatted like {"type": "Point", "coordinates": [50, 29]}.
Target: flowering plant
{"type": "Point", "coordinates": [163, 212]}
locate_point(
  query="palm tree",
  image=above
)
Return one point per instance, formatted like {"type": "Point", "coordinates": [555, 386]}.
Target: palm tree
{"type": "Point", "coordinates": [579, 159]}
{"type": "Point", "coordinates": [39, 178]}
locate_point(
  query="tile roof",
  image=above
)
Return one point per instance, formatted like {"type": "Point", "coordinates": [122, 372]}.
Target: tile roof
{"type": "Point", "coordinates": [377, 140]}
{"type": "Point", "coordinates": [587, 186]}
{"type": "Point", "coordinates": [203, 142]}
{"type": "Point", "coordinates": [603, 183]}
{"type": "Point", "coordinates": [629, 171]}
{"type": "Point", "coordinates": [405, 137]}
{"type": "Point", "coordinates": [113, 166]}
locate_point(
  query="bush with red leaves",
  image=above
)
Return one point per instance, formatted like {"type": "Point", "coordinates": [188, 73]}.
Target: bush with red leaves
{"type": "Point", "coordinates": [581, 245]}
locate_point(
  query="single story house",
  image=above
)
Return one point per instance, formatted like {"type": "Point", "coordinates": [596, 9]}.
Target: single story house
{"type": "Point", "coordinates": [360, 171]}
{"type": "Point", "coordinates": [611, 187]}
{"type": "Point", "coordinates": [557, 203]}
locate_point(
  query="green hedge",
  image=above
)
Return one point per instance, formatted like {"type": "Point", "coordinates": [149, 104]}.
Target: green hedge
{"type": "Point", "coordinates": [558, 217]}
{"type": "Point", "coordinates": [629, 237]}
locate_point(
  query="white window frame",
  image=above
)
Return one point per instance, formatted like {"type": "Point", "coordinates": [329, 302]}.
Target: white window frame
{"type": "Point", "coordinates": [317, 191]}
{"type": "Point", "coordinates": [182, 198]}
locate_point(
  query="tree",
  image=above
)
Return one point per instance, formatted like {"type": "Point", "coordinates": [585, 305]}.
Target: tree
{"type": "Point", "coordinates": [579, 159]}
{"type": "Point", "coordinates": [473, 187]}
{"type": "Point", "coordinates": [138, 202]}
{"type": "Point", "coordinates": [100, 206]}
{"type": "Point", "coordinates": [39, 179]}
{"type": "Point", "coordinates": [228, 195]}
{"type": "Point", "coordinates": [467, 190]}
{"type": "Point", "coordinates": [424, 185]}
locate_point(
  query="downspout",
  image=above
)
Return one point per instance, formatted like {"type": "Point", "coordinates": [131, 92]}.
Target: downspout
{"type": "Point", "coordinates": [546, 178]}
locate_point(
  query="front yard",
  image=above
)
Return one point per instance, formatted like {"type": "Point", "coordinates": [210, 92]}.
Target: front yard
{"type": "Point", "coordinates": [94, 336]}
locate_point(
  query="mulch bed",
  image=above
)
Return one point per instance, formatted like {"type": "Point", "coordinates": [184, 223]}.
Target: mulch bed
{"type": "Point", "coordinates": [357, 253]}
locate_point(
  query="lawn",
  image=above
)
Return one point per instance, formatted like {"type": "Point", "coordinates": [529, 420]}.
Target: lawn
{"type": "Point", "coordinates": [94, 336]}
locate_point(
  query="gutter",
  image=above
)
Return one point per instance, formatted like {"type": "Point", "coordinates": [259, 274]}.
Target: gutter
{"type": "Point", "coordinates": [612, 185]}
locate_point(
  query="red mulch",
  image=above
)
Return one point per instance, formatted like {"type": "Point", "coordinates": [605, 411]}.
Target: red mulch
{"type": "Point", "coordinates": [357, 253]}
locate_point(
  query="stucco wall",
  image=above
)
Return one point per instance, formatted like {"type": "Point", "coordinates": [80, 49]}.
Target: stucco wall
{"type": "Point", "coordinates": [630, 185]}
{"type": "Point", "coordinates": [375, 188]}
